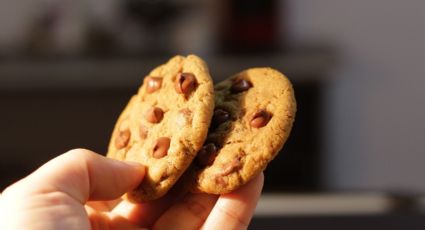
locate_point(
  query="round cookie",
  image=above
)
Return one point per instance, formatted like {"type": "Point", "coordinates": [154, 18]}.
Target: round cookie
{"type": "Point", "coordinates": [253, 117]}
{"type": "Point", "coordinates": [165, 124]}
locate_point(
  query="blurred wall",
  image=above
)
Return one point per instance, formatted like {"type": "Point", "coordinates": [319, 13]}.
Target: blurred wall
{"type": "Point", "coordinates": [375, 99]}
{"type": "Point", "coordinates": [12, 31]}
{"type": "Point", "coordinates": [18, 19]}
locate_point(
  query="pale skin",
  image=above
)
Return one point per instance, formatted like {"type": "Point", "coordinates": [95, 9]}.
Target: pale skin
{"type": "Point", "coordinates": [82, 190]}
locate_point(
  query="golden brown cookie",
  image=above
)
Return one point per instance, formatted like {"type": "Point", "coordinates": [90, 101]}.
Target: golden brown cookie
{"type": "Point", "coordinates": [165, 124]}
{"type": "Point", "coordinates": [253, 117]}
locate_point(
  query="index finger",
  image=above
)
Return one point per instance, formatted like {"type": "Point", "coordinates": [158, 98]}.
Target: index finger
{"type": "Point", "coordinates": [82, 175]}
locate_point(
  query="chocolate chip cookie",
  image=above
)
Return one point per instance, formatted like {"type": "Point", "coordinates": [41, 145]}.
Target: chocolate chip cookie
{"type": "Point", "coordinates": [252, 119]}
{"type": "Point", "coordinates": [165, 124]}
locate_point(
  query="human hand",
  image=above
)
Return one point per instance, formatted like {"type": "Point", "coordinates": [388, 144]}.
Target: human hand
{"type": "Point", "coordinates": [82, 190]}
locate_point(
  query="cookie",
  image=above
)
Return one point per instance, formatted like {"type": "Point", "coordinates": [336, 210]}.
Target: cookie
{"type": "Point", "coordinates": [165, 124]}
{"type": "Point", "coordinates": [253, 117]}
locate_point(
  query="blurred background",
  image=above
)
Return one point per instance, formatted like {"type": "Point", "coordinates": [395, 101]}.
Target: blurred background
{"type": "Point", "coordinates": [355, 157]}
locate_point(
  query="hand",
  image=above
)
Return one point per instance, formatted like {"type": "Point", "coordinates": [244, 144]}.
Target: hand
{"type": "Point", "coordinates": [82, 190]}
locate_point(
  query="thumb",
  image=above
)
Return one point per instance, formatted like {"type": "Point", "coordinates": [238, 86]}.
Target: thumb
{"type": "Point", "coordinates": [84, 175]}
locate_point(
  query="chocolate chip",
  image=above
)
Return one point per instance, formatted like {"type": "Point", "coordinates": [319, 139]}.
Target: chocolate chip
{"type": "Point", "coordinates": [161, 147]}
{"type": "Point", "coordinates": [220, 116]}
{"type": "Point", "coordinates": [122, 139]}
{"type": "Point", "coordinates": [231, 167]}
{"type": "Point", "coordinates": [240, 86]}
{"type": "Point", "coordinates": [260, 118]}
{"type": "Point", "coordinates": [154, 115]}
{"type": "Point", "coordinates": [153, 83]}
{"type": "Point", "coordinates": [207, 154]}
{"type": "Point", "coordinates": [143, 132]}
{"type": "Point", "coordinates": [185, 83]}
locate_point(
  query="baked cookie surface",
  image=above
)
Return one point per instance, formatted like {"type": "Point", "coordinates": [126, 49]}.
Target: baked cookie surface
{"type": "Point", "coordinates": [253, 116]}
{"type": "Point", "coordinates": [165, 124]}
